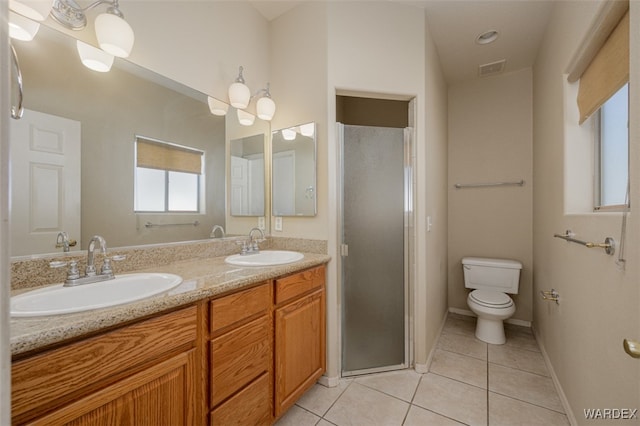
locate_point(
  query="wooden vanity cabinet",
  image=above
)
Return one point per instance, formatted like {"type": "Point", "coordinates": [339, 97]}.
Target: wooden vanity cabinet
{"type": "Point", "coordinates": [144, 373]}
{"type": "Point", "coordinates": [300, 335]}
{"type": "Point", "coordinates": [240, 351]}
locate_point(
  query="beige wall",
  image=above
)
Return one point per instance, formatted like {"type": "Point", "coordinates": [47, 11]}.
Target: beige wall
{"type": "Point", "coordinates": [582, 336]}
{"type": "Point", "coordinates": [490, 140]}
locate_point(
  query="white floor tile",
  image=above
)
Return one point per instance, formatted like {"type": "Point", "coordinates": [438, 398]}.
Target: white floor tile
{"type": "Point", "coordinates": [320, 398]}
{"type": "Point", "coordinates": [400, 384]}
{"type": "Point", "coordinates": [297, 416]}
{"type": "Point", "coordinates": [420, 417]}
{"type": "Point", "coordinates": [460, 367]}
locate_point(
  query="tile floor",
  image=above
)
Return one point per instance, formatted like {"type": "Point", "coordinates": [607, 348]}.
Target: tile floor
{"type": "Point", "coordinates": [469, 382]}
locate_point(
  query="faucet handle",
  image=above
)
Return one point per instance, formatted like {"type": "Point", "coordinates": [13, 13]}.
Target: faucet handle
{"type": "Point", "coordinates": [106, 265]}
{"type": "Point", "coordinates": [73, 273]}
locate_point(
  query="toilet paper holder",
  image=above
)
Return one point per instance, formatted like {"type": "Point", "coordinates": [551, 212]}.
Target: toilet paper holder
{"type": "Point", "coordinates": [551, 295]}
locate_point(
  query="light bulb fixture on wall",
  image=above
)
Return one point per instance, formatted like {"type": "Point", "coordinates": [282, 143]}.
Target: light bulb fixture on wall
{"type": "Point", "coordinates": [240, 97]}
{"type": "Point", "coordinates": [239, 93]}
{"type": "Point", "coordinates": [265, 108]}
{"type": "Point", "coordinates": [115, 36]}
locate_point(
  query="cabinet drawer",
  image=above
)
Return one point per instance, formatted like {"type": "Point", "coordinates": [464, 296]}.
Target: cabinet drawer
{"type": "Point", "coordinates": [238, 357]}
{"type": "Point", "coordinates": [236, 307]}
{"type": "Point", "coordinates": [47, 380]}
{"type": "Point", "coordinates": [251, 406]}
{"type": "Point", "coordinates": [294, 285]}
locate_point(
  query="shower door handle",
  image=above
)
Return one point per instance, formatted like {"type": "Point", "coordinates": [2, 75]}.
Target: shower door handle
{"type": "Point", "coordinates": [344, 250]}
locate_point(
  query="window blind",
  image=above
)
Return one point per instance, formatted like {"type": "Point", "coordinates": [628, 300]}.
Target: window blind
{"type": "Point", "coordinates": [163, 156]}
{"type": "Point", "coordinates": [607, 72]}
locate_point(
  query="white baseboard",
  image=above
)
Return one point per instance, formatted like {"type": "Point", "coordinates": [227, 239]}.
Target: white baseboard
{"type": "Point", "coordinates": [468, 313]}
{"type": "Point", "coordinates": [556, 382]}
{"type": "Point", "coordinates": [330, 382]}
{"type": "Point", "coordinates": [424, 368]}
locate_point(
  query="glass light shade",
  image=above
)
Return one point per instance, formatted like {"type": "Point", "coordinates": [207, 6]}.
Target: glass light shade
{"type": "Point", "coordinates": [245, 118]}
{"type": "Point", "coordinates": [94, 58]}
{"type": "Point", "coordinates": [33, 9]}
{"type": "Point", "coordinates": [217, 107]}
{"type": "Point", "coordinates": [265, 108]}
{"type": "Point", "coordinates": [289, 134]}
{"type": "Point", "coordinates": [21, 28]}
{"type": "Point", "coordinates": [114, 34]}
{"type": "Point", "coordinates": [307, 129]}
{"type": "Point", "coordinates": [239, 95]}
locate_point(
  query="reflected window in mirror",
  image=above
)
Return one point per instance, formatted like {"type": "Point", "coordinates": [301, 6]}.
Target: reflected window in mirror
{"type": "Point", "coordinates": [168, 177]}
{"type": "Point", "coordinates": [293, 173]}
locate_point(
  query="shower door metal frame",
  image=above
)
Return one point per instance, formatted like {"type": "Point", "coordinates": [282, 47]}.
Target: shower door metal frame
{"type": "Point", "coordinates": [408, 229]}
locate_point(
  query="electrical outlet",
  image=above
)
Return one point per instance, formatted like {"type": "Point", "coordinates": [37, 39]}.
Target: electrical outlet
{"type": "Point", "coordinates": [278, 224]}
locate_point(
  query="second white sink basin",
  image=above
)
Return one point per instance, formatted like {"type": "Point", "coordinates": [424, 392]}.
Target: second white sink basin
{"type": "Point", "coordinates": [265, 258]}
{"type": "Point", "coordinates": [57, 299]}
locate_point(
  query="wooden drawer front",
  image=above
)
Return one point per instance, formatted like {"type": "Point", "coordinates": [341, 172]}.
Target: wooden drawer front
{"type": "Point", "coordinates": [300, 283]}
{"type": "Point", "coordinates": [236, 307]}
{"type": "Point", "coordinates": [251, 406]}
{"type": "Point", "coordinates": [55, 377]}
{"type": "Point", "coordinates": [238, 357]}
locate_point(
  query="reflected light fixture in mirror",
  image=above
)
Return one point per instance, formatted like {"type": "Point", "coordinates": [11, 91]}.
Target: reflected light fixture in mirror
{"type": "Point", "coordinates": [21, 28]}
{"type": "Point", "coordinates": [37, 10]}
{"type": "Point", "coordinates": [94, 58]}
{"type": "Point", "coordinates": [307, 129]}
{"type": "Point", "coordinates": [217, 107]}
{"type": "Point", "coordinates": [114, 34]}
{"type": "Point", "coordinates": [245, 118]}
{"type": "Point", "coordinates": [289, 134]}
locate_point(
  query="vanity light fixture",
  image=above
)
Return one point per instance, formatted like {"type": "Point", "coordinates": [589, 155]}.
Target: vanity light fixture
{"type": "Point", "coordinates": [265, 108]}
{"type": "Point", "coordinates": [38, 10]}
{"type": "Point", "coordinates": [240, 97]}
{"type": "Point", "coordinates": [114, 34]}
{"type": "Point", "coordinates": [245, 118]}
{"type": "Point", "coordinates": [94, 58]}
{"type": "Point", "coordinates": [239, 93]}
{"type": "Point", "coordinates": [21, 28]}
{"type": "Point", "coordinates": [217, 107]}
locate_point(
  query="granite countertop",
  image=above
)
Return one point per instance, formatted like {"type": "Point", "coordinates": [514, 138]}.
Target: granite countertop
{"type": "Point", "coordinates": [202, 278]}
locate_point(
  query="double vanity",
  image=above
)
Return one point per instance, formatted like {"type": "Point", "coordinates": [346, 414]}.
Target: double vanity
{"type": "Point", "coordinates": [232, 343]}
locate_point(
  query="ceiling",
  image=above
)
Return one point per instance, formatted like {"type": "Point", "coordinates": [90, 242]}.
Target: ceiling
{"type": "Point", "coordinates": [455, 24]}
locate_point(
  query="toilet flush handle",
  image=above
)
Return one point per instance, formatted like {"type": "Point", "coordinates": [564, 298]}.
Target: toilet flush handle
{"type": "Point", "coordinates": [631, 347]}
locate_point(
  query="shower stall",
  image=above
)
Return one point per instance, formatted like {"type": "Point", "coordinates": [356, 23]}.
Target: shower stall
{"type": "Point", "coordinates": [375, 235]}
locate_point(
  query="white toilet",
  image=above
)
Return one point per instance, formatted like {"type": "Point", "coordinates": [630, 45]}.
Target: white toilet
{"type": "Point", "coordinates": [491, 279]}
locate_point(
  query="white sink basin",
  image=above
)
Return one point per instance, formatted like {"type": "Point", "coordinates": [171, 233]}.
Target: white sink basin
{"type": "Point", "coordinates": [265, 258]}
{"type": "Point", "coordinates": [57, 299]}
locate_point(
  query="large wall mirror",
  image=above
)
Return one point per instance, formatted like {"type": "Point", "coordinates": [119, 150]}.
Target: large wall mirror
{"type": "Point", "coordinates": [77, 142]}
{"type": "Point", "coordinates": [293, 171]}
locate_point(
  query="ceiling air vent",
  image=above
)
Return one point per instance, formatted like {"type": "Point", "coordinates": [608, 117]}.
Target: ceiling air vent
{"type": "Point", "coordinates": [491, 68]}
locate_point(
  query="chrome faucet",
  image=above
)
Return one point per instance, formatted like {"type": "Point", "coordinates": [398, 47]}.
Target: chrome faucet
{"type": "Point", "coordinates": [90, 276]}
{"type": "Point", "coordinates": [62, 240]}
{"type": "Point", "coordinates": [217, 228]}
{"type": "Point", "coordinates": [251, 245]}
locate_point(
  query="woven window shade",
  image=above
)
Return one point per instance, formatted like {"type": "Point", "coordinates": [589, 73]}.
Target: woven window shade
{"type": "Point", "coordinates": [162, 156]}
{"type": "Point", "coordinates": [607, 72]}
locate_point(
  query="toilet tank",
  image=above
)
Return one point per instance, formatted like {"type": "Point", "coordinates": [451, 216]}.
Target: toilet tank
{"type": "Point", "coordinates": [494, 274]}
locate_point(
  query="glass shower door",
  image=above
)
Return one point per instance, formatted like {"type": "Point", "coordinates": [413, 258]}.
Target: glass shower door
{"type": "Point", "coordinates": [374, 271]}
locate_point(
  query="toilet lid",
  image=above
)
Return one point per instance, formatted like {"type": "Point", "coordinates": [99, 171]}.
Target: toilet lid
{"type": "Point", "coordinates": [491, 298]}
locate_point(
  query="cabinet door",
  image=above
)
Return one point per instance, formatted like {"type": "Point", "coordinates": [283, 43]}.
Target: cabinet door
{"type": "Point", "coordinates": [162, 394]}
{"type": "Point", "coordinates": [300, 348]}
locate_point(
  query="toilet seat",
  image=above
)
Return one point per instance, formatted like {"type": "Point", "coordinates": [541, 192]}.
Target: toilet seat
{"type": "Point", "coordinates": [491, 299]}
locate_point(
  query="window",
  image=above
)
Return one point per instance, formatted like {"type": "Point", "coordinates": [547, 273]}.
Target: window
{"type": "Point", "coordinates": [613, 151]}
{"type": "Point", "coordinates": [167, 177]}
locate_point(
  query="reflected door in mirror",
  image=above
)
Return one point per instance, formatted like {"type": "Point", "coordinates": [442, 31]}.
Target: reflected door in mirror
{"type": "Point", "coordinates": [45, 160]}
